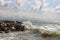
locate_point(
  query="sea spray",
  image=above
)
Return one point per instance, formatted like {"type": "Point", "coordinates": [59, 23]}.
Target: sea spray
{"type": "Point", "coordinates": [48, 30]}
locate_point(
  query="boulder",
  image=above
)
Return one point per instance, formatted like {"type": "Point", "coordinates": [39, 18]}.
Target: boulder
{"type": "Point", "coordinates": [7, 26]}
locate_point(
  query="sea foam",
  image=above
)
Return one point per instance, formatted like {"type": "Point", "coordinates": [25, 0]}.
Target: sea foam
{"type": "Point", "coordinates": [48, 28]}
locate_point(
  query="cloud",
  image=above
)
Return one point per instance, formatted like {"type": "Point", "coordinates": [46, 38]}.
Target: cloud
{"type": "Point", "coordinates": [26, 8]}
{"type": "Point", "coordinates": [8, 4]}
{"type": "Point", "coordinates": [51, 14]}
{"type": "Point", "coordinates": [5, 3]}
{"type": "Point", "coordinates": [13, 15]}
{"type": "Point", "coordinates": [2, 2]}
{"type": "Point", "coordinates": [57, 7]}
{"type": "Point", "coordinates": [38, 5]}
{"type": "Point", "coordinates": [45, 5]}
{"type": "Point", "coordinates": [22, 4]}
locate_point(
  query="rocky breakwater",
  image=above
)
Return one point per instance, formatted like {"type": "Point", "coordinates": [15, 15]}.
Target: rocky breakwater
{"type": "Point", "coordinates": [9, 26]}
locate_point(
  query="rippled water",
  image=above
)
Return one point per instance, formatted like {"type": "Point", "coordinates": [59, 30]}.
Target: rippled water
{"type": "Point", "coordinates": [26, 35]}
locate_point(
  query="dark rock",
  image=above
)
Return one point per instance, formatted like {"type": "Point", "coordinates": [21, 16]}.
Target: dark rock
{"type": "Point", "coordinates": [1, 31]}
{"type": "Point", "coordinates": [7, 26]}
{"type": "Point", "coordinates": [22, 28]}
{"type": "Point", "coordinates": [6, 31]}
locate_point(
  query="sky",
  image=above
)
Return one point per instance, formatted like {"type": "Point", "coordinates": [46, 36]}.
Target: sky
{"type": "Point", "coordinates": [46, 10]}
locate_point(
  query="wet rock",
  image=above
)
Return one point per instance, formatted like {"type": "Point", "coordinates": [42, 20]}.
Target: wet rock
{"type": "Point", "coordinates": [7, 26]}
{"type": "Point", "coordinates": [22, 28]}
{"type": "Point", "coordinates": [1, 31]}
{"type": "Point", "coordinates": [12, 28]}
{"type": "Point", "coordinates": [6, 31]}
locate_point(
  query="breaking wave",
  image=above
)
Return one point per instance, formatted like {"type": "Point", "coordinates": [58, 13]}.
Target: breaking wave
{"type": "Point", "coordinates": [31, 33]}
{"type": "Point", "coordinates": [50, 28]}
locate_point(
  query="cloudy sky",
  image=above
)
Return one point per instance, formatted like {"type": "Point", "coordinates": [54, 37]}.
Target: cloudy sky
{"type": "Point", "coordinates": [46, 10]}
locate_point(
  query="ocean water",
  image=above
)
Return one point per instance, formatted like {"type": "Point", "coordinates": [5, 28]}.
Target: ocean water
{"type": "Point", "coordinates": [27, 35]}
{"type": "Point", "coordinates": [32, 35]}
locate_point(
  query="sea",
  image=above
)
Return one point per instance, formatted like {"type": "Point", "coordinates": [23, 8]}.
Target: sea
{"type": "Point", "coordinates": [32, 35]}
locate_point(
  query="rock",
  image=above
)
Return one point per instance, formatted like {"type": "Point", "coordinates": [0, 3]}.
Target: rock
{"type": "Point", "coordinates": [22, 28]}
{"type": "Point", "coordinates": [19, 27]}
{"type": "Point", "coordinates": [13, 28]}
{"type": "Point", "coordinates": [7, 26]}
{"type": "Point", "coordinates": [6, 31]}
{"type": "Point", "coordinates": [1, 31]}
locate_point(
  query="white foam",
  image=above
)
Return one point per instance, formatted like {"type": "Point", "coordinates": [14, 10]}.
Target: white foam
{"type": "Point", "coordinates": [49, 28]}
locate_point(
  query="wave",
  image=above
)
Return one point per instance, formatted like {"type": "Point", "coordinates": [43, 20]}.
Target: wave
{"type": "Point", "coordinates": [47, 29]}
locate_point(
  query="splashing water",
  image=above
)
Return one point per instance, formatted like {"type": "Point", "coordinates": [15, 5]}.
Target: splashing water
{"type": "Point", "coordinates": [29, 35]}
{"type": "Point", "coordinates": [48, 27]}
